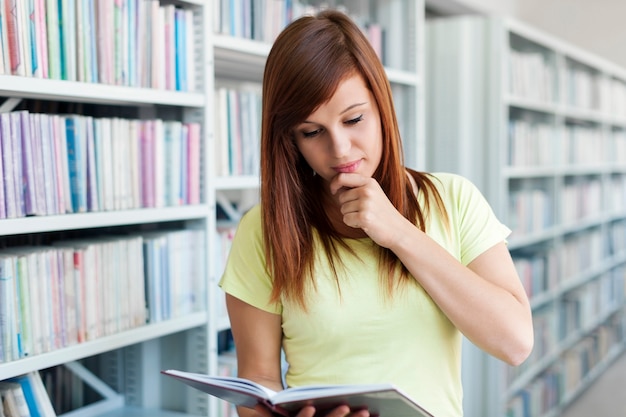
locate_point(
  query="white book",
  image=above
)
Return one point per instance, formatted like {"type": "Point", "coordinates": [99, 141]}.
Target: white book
{"type": "Point", "coordinates": [44, 403]}
{"type": "Point", "coordinates": [8, 312]}
{"type": "Point", "coordinates": [380, 399]}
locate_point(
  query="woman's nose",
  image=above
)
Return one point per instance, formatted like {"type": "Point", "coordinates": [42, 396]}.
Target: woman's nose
{"type": "Point", "coordinates": [339, 143]}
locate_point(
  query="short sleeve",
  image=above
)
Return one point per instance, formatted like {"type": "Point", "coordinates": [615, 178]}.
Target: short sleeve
{"type": "Point", "coordinates": [245, 275]}
{"type": "Point", "coordinates": [477, 226]}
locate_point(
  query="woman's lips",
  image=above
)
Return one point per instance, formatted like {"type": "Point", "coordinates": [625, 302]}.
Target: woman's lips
{"type": "Point", "coordinates": [349, 167]}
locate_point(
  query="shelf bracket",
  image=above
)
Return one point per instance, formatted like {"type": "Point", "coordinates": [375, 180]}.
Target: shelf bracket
{"type": "Point", "coordinates": [228, 208]}
{"type": "Point", "coordinates": [111, 399]}
{"type": "Point", "coordinates": [10, 104]}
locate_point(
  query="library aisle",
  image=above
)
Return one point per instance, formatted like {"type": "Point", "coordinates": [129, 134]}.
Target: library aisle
{"type": "Point", "coordinates": [605, 398]}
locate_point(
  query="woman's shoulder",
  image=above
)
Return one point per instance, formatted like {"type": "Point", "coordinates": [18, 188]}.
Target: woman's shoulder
{"type": "Point", "coordinates": [451, 183]}
{"type": "Point", "coordinates": [251, 219]}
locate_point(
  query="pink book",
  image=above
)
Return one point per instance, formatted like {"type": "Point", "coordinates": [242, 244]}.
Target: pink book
{"type": "Point", "coordinates": [3, 209]}
{"type": "Point", "coordinates": [81, 299]}
{"type": "Point", "coordinates": [13, 41]}
{"type": "Point", "coordinates": [147, 163]}
{"type": "Point", "coordinates": [193, 164]}
{"type": "Point", "coordinates": [42, 38]}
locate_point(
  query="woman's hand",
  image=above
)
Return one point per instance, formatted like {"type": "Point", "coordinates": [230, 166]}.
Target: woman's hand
{"type": "Point", "coordinates": [309, 411]}
{"type": "Point", "coordinates": [365, 205]}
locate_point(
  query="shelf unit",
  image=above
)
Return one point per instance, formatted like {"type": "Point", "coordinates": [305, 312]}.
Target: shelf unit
{"type": "Point", "coordinates": [539, 125]}
{"type": "Point", "coordinates": [124, 366]}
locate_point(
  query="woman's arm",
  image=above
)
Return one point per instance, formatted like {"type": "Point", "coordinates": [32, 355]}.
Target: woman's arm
{"type": "Point", "coordinates": [485, 300]}
{"type": "Point", "coordinates": [257, 336]}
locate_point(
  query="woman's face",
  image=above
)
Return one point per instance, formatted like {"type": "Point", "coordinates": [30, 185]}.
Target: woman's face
{"type": "Point", "coordinates": [343, 134]}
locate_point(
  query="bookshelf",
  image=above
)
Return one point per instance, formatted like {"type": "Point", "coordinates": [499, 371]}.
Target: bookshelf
{"type": "Point", "coordinates": [95, 74]}
{"type": "Point", "coordinates": [111, 346]}
{"type": "Point", "coordinates": [539, 125]}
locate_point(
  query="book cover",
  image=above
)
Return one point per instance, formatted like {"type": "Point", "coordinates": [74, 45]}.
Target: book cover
{"type": "Point", "coordinates": [384, 400]}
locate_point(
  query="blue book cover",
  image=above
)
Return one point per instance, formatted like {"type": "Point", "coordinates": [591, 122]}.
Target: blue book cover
{"type": "Point", "coordinates": [29, 395]}
{"type": "Point", "coordinates": [76, 159]}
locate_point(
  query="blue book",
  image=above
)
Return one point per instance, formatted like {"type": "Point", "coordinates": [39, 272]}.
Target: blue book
{"type": "Point", "coordinates": [29, 395]}
{"type": "Point", "coordinates": [77, 161]}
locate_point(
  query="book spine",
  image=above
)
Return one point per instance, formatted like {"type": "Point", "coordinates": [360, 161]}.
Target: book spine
{"type": "Point", "coordinates": [10, 193]}
{"type": "Point", "coordinates": [53, 41]}
{"type": "Point", "coordinates": [28, 169]}
{"type": "Point", "coordinates": [8, 319]}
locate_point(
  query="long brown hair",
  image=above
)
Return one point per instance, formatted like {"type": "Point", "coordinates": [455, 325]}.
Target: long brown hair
{"type": "Point", "coordinates": [306, 64]}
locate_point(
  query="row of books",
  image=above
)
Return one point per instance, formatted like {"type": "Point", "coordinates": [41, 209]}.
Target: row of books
{"type": "Point", "coordinates": [547, 391]}
{"type": "Point", "coordinates": [577, 311]}
{"type": "Point", "coordinates": [530, 211]}
{"type": "Point", "coordinates": [25, 396]}
{"type": "Point", "coordinates": [543, 270]}
{"type": "Point", "coordinates": [581, 197]}
{"type": "Point", "coordinates": [227, 366]}
{"type": "Point", "coordinates": [582, 251]}
{"type": "Point", "coordinates": [531, 143]}
{"type": "Point", "coordinates": [535, 75]}
{"type": "Point", "coordinates": [532, 75]}
{"type": "Point", "coordinates": [617, 193]}
{"type": "Point", "coordinates": [263, 20]}
{"type": "Point", "coordinates": [531, 207]}
{"type": "Point", "coordinates": [538, 272]}
{"type": "Point", "coordinates": [74, 291]}
{"type": "Point", "coordinates": [56, 164]}
{"type": "Point", "coordinates": [224, 238]}
{"type": "Point", "coordinates": [237, 129]}
{"type": "Point", "coordinates": [126, 42]}
{"type": "Point", "coordinates": [616, 242]}
{"type": "Point", "coordinates": [538, 143]}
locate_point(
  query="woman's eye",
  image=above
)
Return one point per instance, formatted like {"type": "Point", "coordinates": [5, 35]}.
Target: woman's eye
{"type": "Point", "coordinates": [311, 133]}
{"type": "Point", "coordinates": [355, 120]}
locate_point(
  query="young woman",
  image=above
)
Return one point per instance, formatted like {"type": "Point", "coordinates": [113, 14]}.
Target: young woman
{"type": "Point", "coordinates": [361, 269]}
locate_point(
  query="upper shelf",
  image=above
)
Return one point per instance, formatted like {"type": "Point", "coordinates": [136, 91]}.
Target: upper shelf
{"type": "Point", "coordinates": [244, 59]}
{"type": "Point", "coordinates": [39, 224]}
{"type": "Point", "coordinates": [100, 345]}
{"type": "Point", "coordinates": [47, 89]}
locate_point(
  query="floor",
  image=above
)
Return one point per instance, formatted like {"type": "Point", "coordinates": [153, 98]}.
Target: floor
{"type": "Point", "coordinates": [606, 397]}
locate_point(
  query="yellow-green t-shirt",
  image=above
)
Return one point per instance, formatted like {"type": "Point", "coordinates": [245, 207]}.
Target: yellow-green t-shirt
{"type": "Point", "coordinates": [355, 334]}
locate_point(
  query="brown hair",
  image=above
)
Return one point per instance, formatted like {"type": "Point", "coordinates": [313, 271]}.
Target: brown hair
{"type": "Point", "coordinates": [308, 61]}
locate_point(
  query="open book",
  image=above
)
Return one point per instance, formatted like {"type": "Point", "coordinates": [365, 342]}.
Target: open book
{"type": "Point", "coordinates": [382, 400]}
